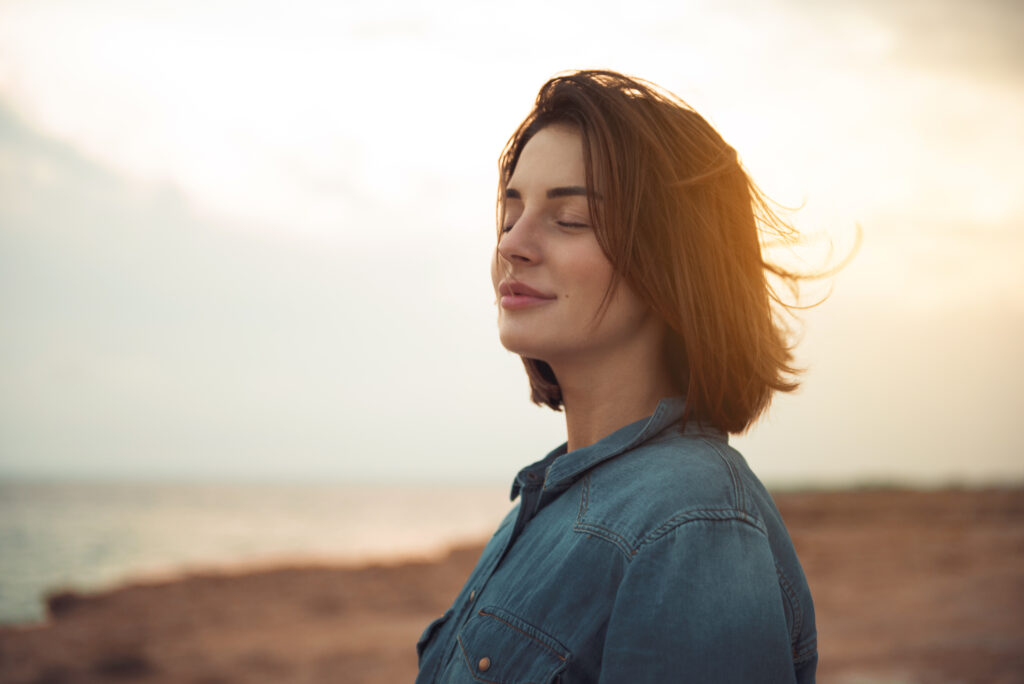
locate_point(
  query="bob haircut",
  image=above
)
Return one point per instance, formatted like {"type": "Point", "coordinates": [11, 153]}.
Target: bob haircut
{"type": "Point", "coordinates": [682, 223]}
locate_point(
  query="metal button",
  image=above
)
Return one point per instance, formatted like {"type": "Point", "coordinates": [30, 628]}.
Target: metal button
{"type": "Point", "coordinates": [484, 665]}
{"type": "Point", "coordinates": [472, 595]}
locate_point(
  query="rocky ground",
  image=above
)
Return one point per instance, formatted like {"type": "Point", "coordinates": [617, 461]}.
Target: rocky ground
{"type": "Point", "coordinates": [910, 587]}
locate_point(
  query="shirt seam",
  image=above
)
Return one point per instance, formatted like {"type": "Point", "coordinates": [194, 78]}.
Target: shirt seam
{"type": "Point", "coordinates": [609, 535]}
{"type": "Point", "coordinates": [739, 491]}
{"type": "Point", "coordinates": [700, 515]}
{"type": "Point", "coordinates": [630, 550]}
{"type": "Point", "coordinates": [807, 650]}
{"type": "Point", "coordinates": [794, 604]}
{"type": "Point", "coordinates": [484, 613]}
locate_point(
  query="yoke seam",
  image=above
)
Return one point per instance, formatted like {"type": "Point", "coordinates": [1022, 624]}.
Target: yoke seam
{"type": "Point", "coordinates": [601, 532]}
{"type": "Point", "coordinates": [678, 520]}
{"type": "Point", "coordinates": [700, 515]}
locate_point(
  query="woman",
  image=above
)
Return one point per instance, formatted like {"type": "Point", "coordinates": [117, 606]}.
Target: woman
{"type": "Point", "coordinates": [630, 279]}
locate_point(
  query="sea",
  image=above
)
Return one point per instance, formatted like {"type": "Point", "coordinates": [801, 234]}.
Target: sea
{"type": "Point", "coordinates": [91, 536]}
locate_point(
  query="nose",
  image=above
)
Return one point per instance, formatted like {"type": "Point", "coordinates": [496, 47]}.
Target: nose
{"type": "Point", "coordinates": [521, 244]}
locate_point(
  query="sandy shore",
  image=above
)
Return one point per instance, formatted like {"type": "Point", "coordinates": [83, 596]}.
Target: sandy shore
{"type": "Point", "coordinates": [910, 587]}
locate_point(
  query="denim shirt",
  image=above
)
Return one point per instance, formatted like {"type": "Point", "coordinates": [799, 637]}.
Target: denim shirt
{"type": "Point", "coordinates": [653, 555]}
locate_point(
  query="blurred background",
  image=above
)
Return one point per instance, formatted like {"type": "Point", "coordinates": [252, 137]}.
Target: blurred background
{"type": "Point", "coordinates": [244, 293]}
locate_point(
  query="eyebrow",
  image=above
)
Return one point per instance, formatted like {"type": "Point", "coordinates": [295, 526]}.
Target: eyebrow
{"type": "Point", "coordinates": [553, 193]}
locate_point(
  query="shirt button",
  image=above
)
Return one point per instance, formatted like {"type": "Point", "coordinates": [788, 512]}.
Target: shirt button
{"type": "Point", "coordinates": [484, 665]}
{"type": "Point", "coordinates": [472, 595]}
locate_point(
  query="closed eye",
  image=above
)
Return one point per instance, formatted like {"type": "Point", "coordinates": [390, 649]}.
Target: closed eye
{"type": "Point", "coordinates": [572, 224]}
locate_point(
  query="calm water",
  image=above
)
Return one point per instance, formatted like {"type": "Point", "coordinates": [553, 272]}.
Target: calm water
{"type": "Point", "coordinates": [96, 535]}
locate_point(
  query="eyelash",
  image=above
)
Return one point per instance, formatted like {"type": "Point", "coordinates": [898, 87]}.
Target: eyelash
{"type": "Point", "coordinates": [564, 224]}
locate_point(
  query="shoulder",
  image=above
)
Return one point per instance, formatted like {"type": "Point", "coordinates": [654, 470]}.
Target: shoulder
{"type": "Point", "coordinates": [673, 480]}
{"type": "Point", "coordinates": [688, 504]}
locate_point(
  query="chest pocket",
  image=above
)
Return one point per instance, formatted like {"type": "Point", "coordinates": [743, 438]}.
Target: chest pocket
{"type": "Point", "coordinates": [500, 648]}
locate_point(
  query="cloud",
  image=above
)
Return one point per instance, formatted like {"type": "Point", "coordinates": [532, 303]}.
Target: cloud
{"type": "Point", "coordinates": [978, 40]}
{"type": "Point", "coordinates": [262, 249]}
{"type": "Point", "coordinates": [140, 338]}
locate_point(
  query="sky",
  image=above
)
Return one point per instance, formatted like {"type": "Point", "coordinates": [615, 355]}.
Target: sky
{"type": "Point", "coordinates": [251, 240]}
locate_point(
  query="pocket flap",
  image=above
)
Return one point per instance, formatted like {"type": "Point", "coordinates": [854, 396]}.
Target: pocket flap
{"type": "Point", "coordinates": [502, 648]}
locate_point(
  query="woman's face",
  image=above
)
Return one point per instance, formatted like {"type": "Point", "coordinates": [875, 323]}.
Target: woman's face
{"type": "Point", "coordinates": [549, 272]}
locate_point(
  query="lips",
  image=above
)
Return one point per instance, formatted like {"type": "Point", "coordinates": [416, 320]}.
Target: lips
{"type": "Point", "coordinates": [515, 288]}
{"type": "Point", "coordinates": [517, 295]}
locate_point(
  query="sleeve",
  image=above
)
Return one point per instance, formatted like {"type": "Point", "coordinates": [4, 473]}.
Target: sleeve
{"type": "Point", "coordinates": [701, 603]}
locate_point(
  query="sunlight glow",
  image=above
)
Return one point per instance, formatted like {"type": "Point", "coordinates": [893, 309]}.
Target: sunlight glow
{"type": "Point", "coordinates": [248, 229]}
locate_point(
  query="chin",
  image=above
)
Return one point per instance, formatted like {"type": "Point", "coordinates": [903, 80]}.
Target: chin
{"type": "Point", "coordinates": [520, 342]}
{"type": "Point", "coordinates": [514, 345]}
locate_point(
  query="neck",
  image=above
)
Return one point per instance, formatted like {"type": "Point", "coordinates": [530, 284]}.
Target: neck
{"type": "Point", "coordinates": [601, 397]}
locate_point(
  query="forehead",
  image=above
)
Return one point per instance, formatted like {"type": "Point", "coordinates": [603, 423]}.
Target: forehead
{"type": "Point", "coordinates": [552, 157]}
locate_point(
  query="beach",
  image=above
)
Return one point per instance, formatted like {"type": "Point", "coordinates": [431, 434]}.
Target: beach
{"type": "Point", "coordinates": [909, 587]}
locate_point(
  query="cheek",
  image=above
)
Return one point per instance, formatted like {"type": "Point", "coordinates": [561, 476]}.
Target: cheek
{"type": "Point", "coordinates": [495, 271]}
{"type": "Point", "coordinates": [631, 310]}
{"type": "Point", "coordinates": [591, 275]}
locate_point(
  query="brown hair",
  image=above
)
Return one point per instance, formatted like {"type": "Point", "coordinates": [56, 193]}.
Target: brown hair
{"type": "Point", "coordinates": [683, 224]}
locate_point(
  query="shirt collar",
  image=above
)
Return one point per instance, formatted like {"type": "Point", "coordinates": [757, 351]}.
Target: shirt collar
{"type": "Point", "coordinates": [561, 467]}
